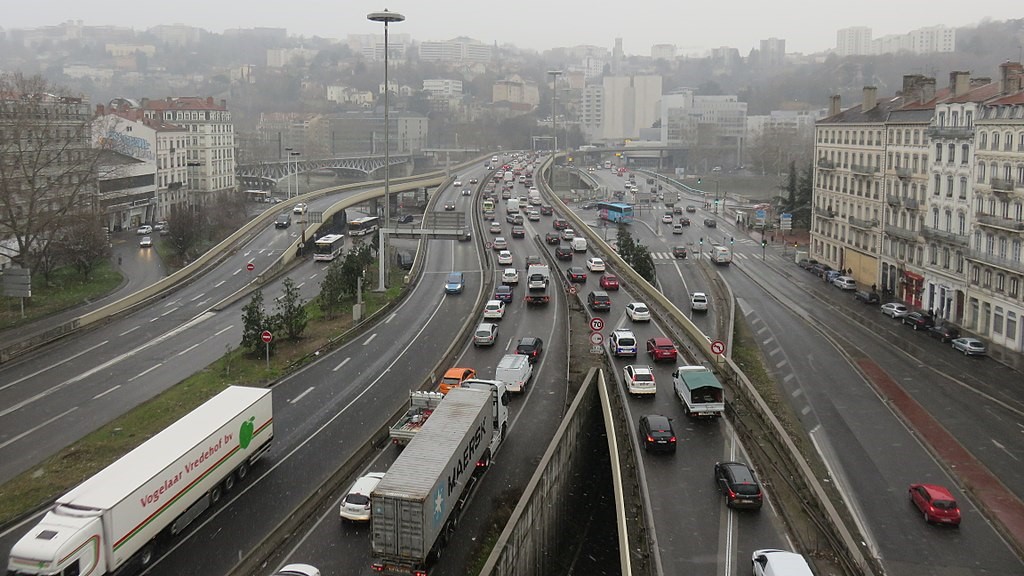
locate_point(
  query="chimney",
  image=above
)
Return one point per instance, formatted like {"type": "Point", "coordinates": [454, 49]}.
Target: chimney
{"type": "Point", "coordinates": [927, 90]}
{"type": "Point", "coordinates": [223, 103]}
{"type": "Point", "coordinates": [870, 98]}
{"type": "Point", "coordinates": [910, 84]}
{"type": "Point", "coordinates": [209, 100]}
{"type": "Point", "coordinates": [959, 83]}
{"type": "Point", "coordinates": [833, 105]}
{"type": "Point", "coordinates": [1010, 77]}
{"type": "Point", "coordinates": [99, 110]}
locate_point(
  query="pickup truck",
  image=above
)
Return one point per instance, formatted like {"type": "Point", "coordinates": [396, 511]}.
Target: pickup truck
{"type": "Point", "coordinates": [699, 391]}
{"type": "Point", "coordinates": [421, 406]}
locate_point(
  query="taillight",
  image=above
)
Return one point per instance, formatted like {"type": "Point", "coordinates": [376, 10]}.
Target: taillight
{"type": "Point", "coordinates": [377, 567]}
{"type": "Point", "coordinates": [419, 573]}
{"type": "Point", "coordinates": [650, 438]}
{"type": "Point", "coordinates": [672, 440]}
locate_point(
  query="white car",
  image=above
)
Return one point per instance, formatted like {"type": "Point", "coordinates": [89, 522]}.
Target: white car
{"type": "Point", "coordinates": [355, 506]}
{"type": "Point", "coordinates": [495, 228]}
{"type": "Point", "coordinates": [504, 258]}
{"type": "Point", "coordinates": [638, 312]}
{"type": "Point", "coordinates": [533, 216]}
{"type": "Point", "coordinates": [895, 310]}
{"type": "Point", "coordinates": [969, 346]}
{"type": "Point", "coordinates": [500, 243]}
{"type": "Point", "coordinates": [485, 335]}
{"type": "Point", "coordinates": [568, 234]}
{"type": "Point", "coordinates": [299, 208]}
{"type": "Point", "coordinates": [494, 310]}
{"type": "Point", "coordinates": [667, 219]}
{"type": "Point", "coordinates": [639, 379]}
{"type": "Point", "coordinates": [146, 242]}
{"type": "Point", "coordinates": [510, 276]}
{"type": "Point", "coordinates": [144, 230]}
{"type": "Point", "coordinates": [699, 302]}
{"type": "Point", "coordinates": [298, 570]}
{"type": "Point", "coordinates": [457, 183]}
{"type": "Point", "coordinates": [595, 264]}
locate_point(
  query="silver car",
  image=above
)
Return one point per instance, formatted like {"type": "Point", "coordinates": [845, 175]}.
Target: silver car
{"type": "Point", "coordinates": [969, 346]}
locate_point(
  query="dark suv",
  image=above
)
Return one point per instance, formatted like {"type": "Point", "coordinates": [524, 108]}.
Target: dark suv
{"type": "Point", "coordinates": [918, 320]}
{"type": "Point", "coordinates": [530, 347]}
{"type": "Point", "coordinates": [739, 485]}
{"type": "Point", "coordinates": [599, 300]}
{"type": "Point", "coordinates": [563, 253]}
{"type": "Point", "coordinates": [944, 332]}
{"type": "Point", "coordinates": [656, 433]}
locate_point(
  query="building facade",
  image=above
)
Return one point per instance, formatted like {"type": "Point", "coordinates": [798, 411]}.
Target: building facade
{"type": "Point", "coordinates": [457, 50]}
{"type": "Point", "coordinates": [853, 41]}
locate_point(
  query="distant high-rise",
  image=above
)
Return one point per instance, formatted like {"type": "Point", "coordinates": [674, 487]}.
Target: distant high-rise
{"type": "Point", "coordinates": [853, 41]}
{"type": "Point", "coordinates": [773, 52]}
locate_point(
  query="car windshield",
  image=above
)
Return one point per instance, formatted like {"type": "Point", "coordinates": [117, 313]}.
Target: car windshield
{"type": "Point", "coordinates": [944, 504]}
{"type": "Point", "coordinates": [746, 489]}
{"type": "Point", "coordinates": [643, 377]}
{"type": "Point", "coordinates": [626, 341]}
{"type": "Point", "coordinates": [664, 347]}
{"type": "Point", "coordinates": [357, 499]}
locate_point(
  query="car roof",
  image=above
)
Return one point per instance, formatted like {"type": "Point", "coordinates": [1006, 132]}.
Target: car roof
{"type": "Point", "coordinates": [640, 369]}
{"type": "Point", "coordinates": [658, 422]}
{"type": "Point", "coordinates": [937, 492]}
{"type": "Point", "coordinates": [503, 288]}
{"type": "Point", "coordinates": [661, 341]}
{"type": "Point", "coordinates": [740, 472]}
{"type": "Point", "coordinates": [623, 332]}
{"type": "Point", "coordinates": [529, 341]}
{"type": "Point", "coordinates": [494, 303]}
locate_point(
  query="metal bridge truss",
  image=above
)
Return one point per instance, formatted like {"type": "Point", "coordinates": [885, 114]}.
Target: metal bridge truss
{"type": "Point", "coordinates": [274, 172]}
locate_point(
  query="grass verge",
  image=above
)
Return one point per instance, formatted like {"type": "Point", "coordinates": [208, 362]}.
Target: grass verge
{"type": "Point", "coordinates": [67, 288]}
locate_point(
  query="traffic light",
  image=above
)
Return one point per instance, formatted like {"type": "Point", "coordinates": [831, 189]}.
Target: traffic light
{"type": "Point", "coordinates": [764, 243]}
{"type": "Point", "coordinates": [698, 181]}
{"type": "Point", "coordinates": [732, 240]}
{"type": "Point", "coordinates": [716, 202]}
{"type": "Point", "coordinates": [702, 240]}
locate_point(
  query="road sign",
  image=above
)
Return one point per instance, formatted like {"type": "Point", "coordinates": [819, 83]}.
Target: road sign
{"type": "Point", "coordinates": [596, 338]}
{"type": "Point", "coordinates": [572, 289]}
{"type": "Point", "coordinates": [718, 347]}
{"type": "Point", "coordinates": [596, 324]}
{"type": "Point", "coordinates": [250, 266]}
{"type": "Point", "coordinates": [490, 245]}
{"type": "Point", "coordinates": [266, 336]}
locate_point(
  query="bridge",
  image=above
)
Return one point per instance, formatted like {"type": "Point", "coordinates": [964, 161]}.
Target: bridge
{"type": "Point", "coordinates": [266, 174]}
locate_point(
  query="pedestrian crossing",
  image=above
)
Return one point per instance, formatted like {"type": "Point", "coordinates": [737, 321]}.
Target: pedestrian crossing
{"type": "Point", "coordinates": [669, 256]}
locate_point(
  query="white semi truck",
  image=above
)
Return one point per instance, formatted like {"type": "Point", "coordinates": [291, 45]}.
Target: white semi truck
{"type": "Point", "coordinates": [111, 521]}
{"type": "Point", "coordinates": [421, 496]}
{"type": "Point", "coordinates": [699, 391]}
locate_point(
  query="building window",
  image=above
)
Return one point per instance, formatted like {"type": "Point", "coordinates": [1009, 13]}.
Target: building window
{"type": "Point", "coordinates": [952, 154]}
{"type": "Point", "coordinates": [935, 218]}
{"type": "Point", "coordinates": [987, 279]}
{"type": "Point", "coordinates": [1008, 143]}
{"type": "Point", "coordinates": [983, 141]}
{"type": "Point", "coordinates": [1000, 282]}
{"type": "Point", "coordinates": [1011, 325]}
{"type": "Point", "coordinates": [938, 185]}
{"type": "Point", "coordinates": [938, 152]}
{"type": "Point", "coordinates": [1014, 290]}
{"type": "Point", "coordinates": [963, 188]}
{"type": "Point", "coordinates": [975, 273]}
{"type": "Point", "coordinates": [969, 118]}
{"type": "Point", "coordinates": [961, 222]}
{"type": "Point", "coordinates": [995, 140]}
{"type": "Point", "coordinates": [981, 173]}
{"type": "Point", "coordinates": [960, 263]}
{"type": "Point", "coordinates": [963, 154]}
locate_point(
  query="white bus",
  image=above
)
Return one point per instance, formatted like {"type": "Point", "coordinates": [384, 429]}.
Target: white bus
{"type": "Point", "coordinates": [363, 226]}
{"type": "Point", "coordinates": [328, 247]}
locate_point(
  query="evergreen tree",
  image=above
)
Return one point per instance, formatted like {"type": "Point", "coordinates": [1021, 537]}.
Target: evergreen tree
{"type": "Point", "coordinates": [332, 288]}
{"type": "Point", "coordinates": [291, 311]}
{"type": "Point", "coordinates": [254, 322]}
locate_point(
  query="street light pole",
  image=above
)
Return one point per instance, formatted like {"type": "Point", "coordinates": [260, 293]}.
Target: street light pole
{"type": "Point", "coordinates": [295, 169]}
{"type": "Point", "coordinates": [288, 171]}
{"type": "Point", "coordinates": [554, 127]}
{"type": "Point", "coordinates": [387, 18]}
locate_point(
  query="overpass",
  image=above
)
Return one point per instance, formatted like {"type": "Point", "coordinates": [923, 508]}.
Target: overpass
{"type": "Point", "coordinates": [267, 174]}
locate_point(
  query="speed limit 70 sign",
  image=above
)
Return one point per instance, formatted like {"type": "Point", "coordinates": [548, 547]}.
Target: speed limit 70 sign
{"type": "Point", "coordinates": [597, 324]}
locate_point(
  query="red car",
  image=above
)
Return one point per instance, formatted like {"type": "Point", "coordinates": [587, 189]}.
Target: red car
{"type": "Point", "coordinates": [661, 348]}
{"type": "Point", "coordinates": [936, 503]}
{"type": "Point", "coordinates": [609, 282]}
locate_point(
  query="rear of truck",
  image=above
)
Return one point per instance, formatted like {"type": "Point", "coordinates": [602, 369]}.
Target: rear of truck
{"type": "Point", "coordinates": [700, 391]}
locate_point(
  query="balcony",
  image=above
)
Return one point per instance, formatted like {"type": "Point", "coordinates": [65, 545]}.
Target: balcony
{"type": "Point", "coordinates": [911, 204]}
{"type": "Point", "coordinates": [952, 132]}
{"type": "Point", "coordinates": [902, 173]}
{"type": "Point", "coordinates": [995, 260]}
{"type": "Point", "coordinates": [862, 223]}
{"type": "Point", "coordinates": [943, 236]}
{"type": "Point", "coordinates": [825, 213]}
{"type": "Point", "coordinates": [826, 164]}
{"type": "Point", "coordinates": [999, 222]}
{"type": "Point", "coordinates": [864, 170]}
{"type": "Point", "coordinates": [893, 230]}
{"type": "Point", "coordinates": [893, 200]}
{"type": "Point", "coordinates": [1002, 185]}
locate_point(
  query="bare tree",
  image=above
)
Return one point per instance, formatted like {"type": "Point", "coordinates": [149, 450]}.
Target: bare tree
{"type": "Point", "coordinates": [47, 166]}
{"type": "Point", "coordinates": [184, 230]}
{"type": "Point", "coordinates": [82, 243]}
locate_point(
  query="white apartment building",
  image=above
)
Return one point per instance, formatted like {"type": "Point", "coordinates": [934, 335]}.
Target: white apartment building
{"type": "Point", "coordinates": [371, 46]}
{"type": "Point", "coordinates": [456, 50]}
{"type": "Point", "coordinates": [282, 57]}
{"type": "Point", "coordinates": [853, 41]}
{"type": "Point", "coordinates": [443, 88]}
{"type": "Point", "coordinates": [663, 52]}
{"type": "Point", "coordinates": [515, 90]}
{"type": "Point", "coordinates": [591, 110]}
{"type": "Point", "coordinates": [210, 142]}
{"type": "Point", "coordinates": [934, 39]}
{"type": "Point", "coordinates": [710, 121]}
{"type": "Point", "coordinates": [629, 104]}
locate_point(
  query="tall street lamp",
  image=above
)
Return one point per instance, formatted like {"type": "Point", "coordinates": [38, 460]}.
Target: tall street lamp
{"type": "Point", "coordinates": [295, 169]}
{"type": "Point", "coordinates": [288, 170]}
{"type": "Point", "coordinates": [554, 131]}
{"type": "Point", "coordinates": [387, 18]}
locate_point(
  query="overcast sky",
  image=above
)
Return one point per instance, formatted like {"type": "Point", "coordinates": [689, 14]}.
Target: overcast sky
{"type": "Point", "coordinates": [806, 25]}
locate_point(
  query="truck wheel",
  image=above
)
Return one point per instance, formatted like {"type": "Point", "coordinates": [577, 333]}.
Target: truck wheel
{"type": "Point", "coordinates": [242, 471]}
{"type": "Point", "coordinates": [229, 482]}
{"type": "Point", "coordinates": [504, 431]}
{"type": "Point", "coordinates": [146, 555]}
{"type": "Point", "coordinates": [215, 494]}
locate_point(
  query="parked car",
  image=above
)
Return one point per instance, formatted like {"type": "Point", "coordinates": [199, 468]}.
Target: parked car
{"type": "Point", "coordinates": [531, 347]}
{"type": "Point", "coordinates": [552, 238]}
{"type": "Point", "coordinates": [866, 296]}
{"type": "Point", "coordinates": [656, 433]}
{"type": "Point", "coordinates": [638, 312]}
{"type": "Point", "coordinates": [355, 506]}
{"type": "Point", "coordinates": [661, 348]}
{"type": "Point", "coordinates": [576, 274]}
{"type": "Point", "coordinates": [944, 331]}
{"type": "Point", "coordinates": [969, 346]}
{"type": "Point", "coordinates": [679, 251]}
{"type": "Point", "coordinates": [844, 283]}
{"type": "Point", "coordinates": [739, 485]}
{"type": "Point", "coordinates": [609, 282]}
{"type": "Point", "coordinates": [936, 503]}
{"type": "Point", "coordinates": [918, 320]}
{"type": "Point", "coordinates": [563, 253]}
{"type": "Point", "coordinates": [895, 310]}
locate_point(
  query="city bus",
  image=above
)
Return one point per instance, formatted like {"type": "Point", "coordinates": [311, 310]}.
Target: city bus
{"type": "Point", "coordinates": [328, 247]}
{"type": "Point", "coordinates": [363, 226]}
{"type": "Point", "coordinates": [615, 212]}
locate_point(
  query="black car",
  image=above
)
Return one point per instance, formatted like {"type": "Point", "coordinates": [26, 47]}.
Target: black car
{"type": "Point", "coordinates": [406, 219]}
{"type": "Point", "coordinates": [552, 238]}
{"type": "Point", "coordinates": [533, 259]}
{"type": "Point", "coordinates": [576, 274]}
{"type": "Point", "coordinates": [283, 220]}
{"type": "Point", "coordinates": [449, 205]}
{"type": "Point", "coordinates": [711, 223]}
{"type": "Point", "coordinates": [739, 485]}
{"type": "Point", "coordinates": [691, 208]}
{"type": "Point", "coordinates": [944, 332]}
{"type": "Point", "coordinates": [918, 320]}
{"type": "Point", "coordinates": [684, 221]}
{"type": "Point", "coordinates": [867, 296]}
{"type": "Point", "coordinates": [598, 300]}
{"type": "Point", "coordinates": [679, 251]}
{"type": "Point", "coordinates": [518, 232]}
{"type": "Point", "coordinates": [563, 253]}
{"type": "Point", "coordinates": [530, 347]}
{"type": "Point", "coordinates": [546, 210]}
{"type": "Point", "coordinates": [503, 293]}
{"type": "Point", "coordinates": [656, 433]}
{"type": "Point", "coordinates": [588, 205]}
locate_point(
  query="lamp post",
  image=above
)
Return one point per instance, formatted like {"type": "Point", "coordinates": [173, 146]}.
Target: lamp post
{"type": "Point", "coordinates": [295, 169]}
{"type": "Point", "coordinates": [387, 18]}
{"type": "Point", "coordinates": [554, 127]}
{"type": "Point", "coordinates": [288, 171]}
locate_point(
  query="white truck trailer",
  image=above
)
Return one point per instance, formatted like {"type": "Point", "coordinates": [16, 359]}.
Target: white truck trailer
{"type": "Point", "coordinates": [419, 501]}
{"type": "Point", "coordinates": [699, 391]}
{"type": "Point", "coordinates": [421, 406]}
{"type": "Point", "coordinates": [111, 521]}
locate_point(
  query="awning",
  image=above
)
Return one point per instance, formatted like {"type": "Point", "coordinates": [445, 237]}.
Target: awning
{"type": "Point", "coordinates": [913, 276]}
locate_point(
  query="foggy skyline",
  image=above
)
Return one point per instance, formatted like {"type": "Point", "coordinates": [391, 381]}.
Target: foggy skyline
{"type": "Point", "coordinates": [537, 25]}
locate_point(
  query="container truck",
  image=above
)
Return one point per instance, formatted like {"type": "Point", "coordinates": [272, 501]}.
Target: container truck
{"type": "Point", "coordinates": [699, 391]}
{"type": "Point", "coordinates": [421, 406]}
{"type": "Point", "coordinates": [416, 506]}
{"type": "Point", "coordinates": [112, 521]}
{"type": "Point", "coordinates": [538, 277]}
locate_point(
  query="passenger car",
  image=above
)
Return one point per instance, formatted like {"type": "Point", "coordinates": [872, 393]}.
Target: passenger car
{"type": "Point", "coordinates": [944, 332]}
{"type": "Point", "coordinates": [699, 302]}
{"type": "Point", "coordinates": [495, 228]}
{"type": "Point", "coordinates": [533, 259]}
{"type": "Point", "coordinates": [559, 223]}
{"type": "Point", "coordinates": [622, 342]}
{"type": "Point", "coordinates": [485, 335]}
{"type": "Point", "coordinates": [284, 220]}
{"type": "Point", "coordinates": [844, 283]}
{"type": "Point", "coordinates": [531, 347]}
{"type": "Point", "coordinates": [146, 242]}
{"type": "Point", "coordinates": [144, 230]}
{"type": "Point", "coordinates": [406, 219]}
{"type": "Point", "coordinates": [679, 251]}
{"type": "Point", "coordinates": [656, 433]}
{"type": "Point", "coordinates": [518, 232]}
{"type": "Point", "coordinates": [684, 221]}
{"type": "Point", "coordinates": [969, 346]}
{"type": "Point", "coordinates": [595, 264]}
{"type": "Point", "coordinates": [552, 238]}
{"type": "Point", "coordinates": [503, 293]}
{"type": "Point", "coordinates": [449, 205]}
{"type": "Point", "coordinates": [691, 208]}
{"type": "Point", "coordinates": [609, 282]}
{"type": "Point", "coordinates": [299, 208]}
{"type": "Point", "coordinates": [677, 228]}
{"type": "Point", "coordinates": [667, 218]}
{"type": "Point", "coordinates": [598, 300]}
{"type": "Point", "coordinates": [575, 274]}
{"type": "Point", "coordinates": [895, 310]}
{"type": "Point", "coordinates": [504, 258]}
{"type": "Point", "coordinates": [494, 310]}
{"type": "Point", "coordinates": [473, 180]}
{"type": "Point", "coordinates": [510, 276]}
{"type": "Point", "coordinates": [710, 223]}
{"type": "Point", "coordinates": [739, 485]}
{"type": "Point", "coordinates": [563, 253]}
{"type": "Point", "coordinates": [568, 234]}
{"type": "Point", "coordinates": [638, 312]}
{"type": "Point", "coordinates": [457, 183]}
{"type": "Point", "coordinates": [547, 210]}
{"type": "Point", "coordinates": [773, 562]}
{"type": "Point", "coordinates": [936, 503]}
{"type": "Point", "coordinates": [661, 348]}
{"type": "Point", "coordinates": [454, 378]}
{"type": "Point", "coordinates": [454, 283]}
{"type": "Point", "coordinates": [866, 296]}
{"type": "Point", "coordinates": [918, 320]}
{"type": "Point", "coordinates": [499, 243]}
{"type": "Point", "coordinates": [639, 380]}
{"type": "Point", "coordinates": [533, 216]}
{"type": "Point", "coordinates": [355, 506]}
{"type": "Point", "coordinates": [298, 570]}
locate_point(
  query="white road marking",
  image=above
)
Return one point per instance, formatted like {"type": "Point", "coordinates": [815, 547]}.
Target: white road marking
{"type": "Point", "coordinates": [392, 317]}
{"type": "Point", "coordinates": [236, 272]}
{"type": "Point", "coordinates": [1003, 448]}
{"type": "Point", "coordinates": [299, 397]}
{"type": "Point", "coordinates": [194, 298]}
{"type": "Point", "coordinates": [190, 348]}
{"type": "Point", "coordinates": [218, 333]}
{"type": "Point", "coordinates": [172, 303]}
{"type": "Point", "coordinates": [168, 312]}
{"type": "Point", "coordinates": [128, 331]}
{"type": "Point", "coordinates": [34, 428]}
{"type": "Point", "coordinates": [104, 393]}
{"type": "Point", "coordinates": [370, 339]}
{"type": "Point", "coordinates": [200, 305]}
{"type": "Point", "coordinates": [54, 365]}
{"type": "Point", "coordinates": [343, 362]}
{"type": "Point", "coordinates": [146, 371]}
{"type": "Point", "coordinates": [301, 285]}
{"type": "Point", "coordinates": [219, 284]}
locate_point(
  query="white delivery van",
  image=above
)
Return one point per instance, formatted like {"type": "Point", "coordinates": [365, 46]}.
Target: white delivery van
{"type": "Point", "coordinates": [772, 562]}
{"type": "Point", "coordinates": [579, 244]}
{"type": "Point", "coordinates": [515, 371]}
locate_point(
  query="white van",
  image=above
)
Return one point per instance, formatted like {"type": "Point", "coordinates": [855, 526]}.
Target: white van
{"type": "Point", "coordinates": [515, 371]}
{"type": "Point", "coordinates": [772, 562]}
{"type": "Point", "coordinates": [578, 244]}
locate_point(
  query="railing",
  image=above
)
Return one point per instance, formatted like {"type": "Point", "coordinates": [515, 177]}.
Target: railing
{"type": "Point", "coordinates": [948, 237]}
{"type": "Point", "coordinates": [862, 169]}
{"type": "Point", "coordinates": [911, 203]}
{"type": "Point", "coordinates": [950, 132]}
{"type": "Point", "coordinates": [999, 222]}
{"type": "Point", "coordinates": [862, 223]}
{"type": "Point", "coordinates": [893, 200]}
{"type": "Point", "coordinates": [902, 172]}
{"type": "Point", "coordinates": [893, 230]}
{"type": "Point", "coordinates": [826, 164]}
{"type": "Point", "coordinates": [825, 213]}
{"type": "Point", "coordinates": [1002, 184]}
{"type": "Point", "coordinates": [995, 260]}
